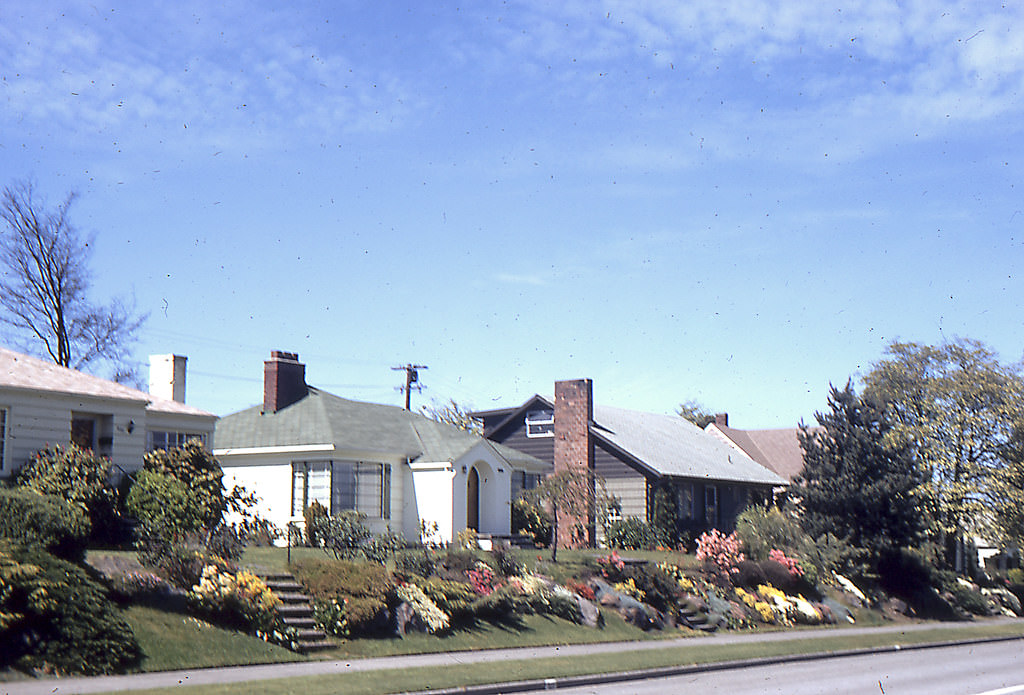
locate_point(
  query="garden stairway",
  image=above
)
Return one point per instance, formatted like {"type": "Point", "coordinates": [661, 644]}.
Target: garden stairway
{"type": "Point", "coordinates": [696, 616]}
{"type": "Point", "coordinates": [296, 611]}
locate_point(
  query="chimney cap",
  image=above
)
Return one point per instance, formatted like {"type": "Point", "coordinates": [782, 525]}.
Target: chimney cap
{"type": "Point", "coordinates": [282, 355]}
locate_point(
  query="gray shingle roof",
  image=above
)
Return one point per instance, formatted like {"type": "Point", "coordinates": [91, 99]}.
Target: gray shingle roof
{"type": "Point", "coordinates": [29, 373]}
{"type": "Point", "coordinates": [671, 445]}
{"type": "Point", "coordinates": [323, 418]}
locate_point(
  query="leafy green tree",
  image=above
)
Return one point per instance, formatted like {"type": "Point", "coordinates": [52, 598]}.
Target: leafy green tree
{"type": "Point", "coordinates": [1006, 492]}
{"type": "Point", "coordinates": [957, 407]}
{"type": "Point", "coordinates": [859, 483]}
{"type": "Point", "coordinates": [575, 498]}
{"type": "Point", "coordinates": [696, 413]}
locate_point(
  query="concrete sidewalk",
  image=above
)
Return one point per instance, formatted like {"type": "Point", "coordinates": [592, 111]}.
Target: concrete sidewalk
{"type": "Point", "coordinates": [239, 674]}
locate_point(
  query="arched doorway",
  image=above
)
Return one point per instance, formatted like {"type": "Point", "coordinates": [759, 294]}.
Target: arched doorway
{"type": "Point", "coordinates": [473, 500]}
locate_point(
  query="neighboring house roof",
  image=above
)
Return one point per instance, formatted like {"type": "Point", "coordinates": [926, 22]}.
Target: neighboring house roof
{"type": "Point", "coordinates": [321, 418]}
{"type": "Point", "coordinates": [670, 445]}
{"type": "Point", "coordinates": [776, 449]}
{"type": "Point", "coordinates": [665, 445]}
{"type": "Point", "coordinates": [28, 373]}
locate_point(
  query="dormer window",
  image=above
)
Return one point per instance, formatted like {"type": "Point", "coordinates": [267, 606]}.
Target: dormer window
{"type": "Point", "coordinates": [540, 423]}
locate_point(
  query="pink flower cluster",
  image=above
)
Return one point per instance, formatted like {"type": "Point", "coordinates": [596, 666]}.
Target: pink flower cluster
{"type": "Point", "coordinates": [789, 563]}
{"type": "Point", "coordinates": [723, 551]}
{"type": "Point", "coordinates": [482, 580]}
{"type": "Point", "coordinates": [612, 561]}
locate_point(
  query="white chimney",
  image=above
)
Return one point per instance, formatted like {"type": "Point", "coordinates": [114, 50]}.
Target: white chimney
{"type": "Point", "coordinates": [167, 377]}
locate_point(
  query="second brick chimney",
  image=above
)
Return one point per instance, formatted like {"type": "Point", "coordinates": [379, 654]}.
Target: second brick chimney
{"type": "Point", "coordinates": [284, 381]}
{"type": "Point", "coordinates": [574, 448]}
{"type": "Point", "coordinates": [722, 419]}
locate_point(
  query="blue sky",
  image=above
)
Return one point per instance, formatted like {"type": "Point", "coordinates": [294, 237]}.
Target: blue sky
{"type": "Point", "coordinates": [737, 203]}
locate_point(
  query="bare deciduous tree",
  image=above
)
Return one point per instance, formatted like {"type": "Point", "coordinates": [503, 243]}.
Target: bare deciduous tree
{"type": "Point", "coordinates": [44, 286]}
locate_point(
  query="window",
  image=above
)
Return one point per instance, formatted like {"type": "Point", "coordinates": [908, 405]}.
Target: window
{"type": "Point", "coordinates": [540, 423]}
{"type": "Point", "coordinates": [684, 500]}
{"type": "Point", "coordinates": [711, 506]}
{"type": "Point", "coordinates": [3, 437]}
{"type": "Point", "coordinates": [171, 440]}
{"type": "Point", "coordinates": [341, 485]}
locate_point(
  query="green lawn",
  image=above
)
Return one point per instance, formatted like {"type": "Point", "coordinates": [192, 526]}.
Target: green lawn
{"type": "Point", "coordinates": [172, 640]}
{"type": "Point", "coordinates": [528, 631]}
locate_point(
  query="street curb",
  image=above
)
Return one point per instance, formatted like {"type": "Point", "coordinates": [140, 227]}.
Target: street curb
{"type": "Point", "coordinates": [666, 671]}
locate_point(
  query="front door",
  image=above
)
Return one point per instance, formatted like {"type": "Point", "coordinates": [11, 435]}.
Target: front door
{"type": "Point", "coordinates": [473, 500]}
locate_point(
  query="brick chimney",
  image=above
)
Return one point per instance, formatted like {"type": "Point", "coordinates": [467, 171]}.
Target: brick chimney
{"type": "Point", "coordinates": [284, 381]}
{"type": "Point", "coordinates": [574, 448]}
{"type": "Point", "coordinates": [722, 419]}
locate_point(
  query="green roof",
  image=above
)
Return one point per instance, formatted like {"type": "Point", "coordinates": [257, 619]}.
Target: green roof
{"type": "Point", "coordinates": [325, 419]}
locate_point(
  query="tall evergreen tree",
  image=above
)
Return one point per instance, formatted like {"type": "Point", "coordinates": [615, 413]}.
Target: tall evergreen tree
{"type": "Point", "coordinates": [857, 484]}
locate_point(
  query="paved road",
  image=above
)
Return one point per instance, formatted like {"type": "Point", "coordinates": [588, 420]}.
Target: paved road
{"type": "Point", "coordinates": [239, 674]}
{"type": "Point", "coordinates": [961, 670]}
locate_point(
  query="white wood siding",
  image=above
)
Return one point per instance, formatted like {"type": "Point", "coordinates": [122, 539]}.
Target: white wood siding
{"type": "Point", "coordinates": [36, 420]}
{"type": "Point", "coordinates": [632, 495]}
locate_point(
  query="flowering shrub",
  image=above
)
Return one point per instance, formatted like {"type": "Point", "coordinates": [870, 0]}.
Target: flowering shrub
{"type": "Point", "coordinates": [611, 565]}
{"type": "Point", "coordinates": [676, 573]}
{"type": "Point", "coordinates": [580, 589]}
{"type": "Point", "coordinates": [791, 564]}
{"type": "Point", "coordinates": [330, 616]}
{"type": "Point", "coordinates": [481, 578]}
{"type": "Point", "coordinates": [132, 586]}
{"type": "Point", "coordinates": [714, 547]}
{"type": "Point", "coordinates": [426, 610]}
{"type": "Point", "coordinates": [242, 600]}
{"type": "Point", "coordinates": [629, 588]}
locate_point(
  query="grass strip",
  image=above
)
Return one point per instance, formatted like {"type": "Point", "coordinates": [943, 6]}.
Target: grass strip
{"type": "Point", "coordinates": [700, 652]}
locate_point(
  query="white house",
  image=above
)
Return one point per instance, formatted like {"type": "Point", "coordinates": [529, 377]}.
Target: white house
{"type": "Point", "coordinates": [44, 404]}
{"type": "Point", "coordinates": [398, 467]}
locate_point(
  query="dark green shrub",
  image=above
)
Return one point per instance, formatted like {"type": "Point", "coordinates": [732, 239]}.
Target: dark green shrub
{"type": "Point", "coordinates": [226, 542]}
{"type": "Point", "coordinates": [505, 562]}
{"type": "Point", "coordinates": [382, 546]}
{"type": "Point", "coordinates": [970, 599]}
{"type": "Point", "coordinates": [57, 619]}
{"type": "Point", "coordinates": [420, 563]}
{"type": "Point", "coordinates": [362, 586]}
{"type": "Point", "coordinates": [180, 560]}
{"type": "Point", "coordinates": [69, 472]}
{"type": "Point", "coordinates": [531, 520]}
{"type": "Point", "coordinates": [163, 505]}
{"type": "Point", "coordinates": [501, 605]}
{"type": "Point", "coordinates": [660, 590]}
{"type": "Point", "coordinates": [664, 518]}
{"type": "Point", "coordinates": [315, 514]}
{"type": "Point", "coordinates": [454, 598]}
{"type": "Point", "coordinates": [763, 529]}
{"type": "Point", "coordinates": [343, 534]}
{"type": "Point", "coordinates": [631, 533]}
{"type": "Point", "coordinates": [457, 562]}
{"type": "Point", "coordinates": [748, 575]}
{"type": "Point", "coordinates": [193, 465]}
{"type": "Point", "coordinates": [30, 517]}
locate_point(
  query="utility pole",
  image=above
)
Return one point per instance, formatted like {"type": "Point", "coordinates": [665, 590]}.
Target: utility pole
{"type": "Point", "coordinates": [412, 380]}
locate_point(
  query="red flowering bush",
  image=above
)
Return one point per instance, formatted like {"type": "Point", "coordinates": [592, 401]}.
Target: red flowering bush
{"type": "Point", "coordinates": [791, 564]}
{"type": "Point", "coordinates": [611, 565]}
{"type": "Point", "coordinates": [482, 579]}
{"type": "Point", "coordinates": [580, 589]}
{"type": "Point", "coordinates": [719, 550]}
